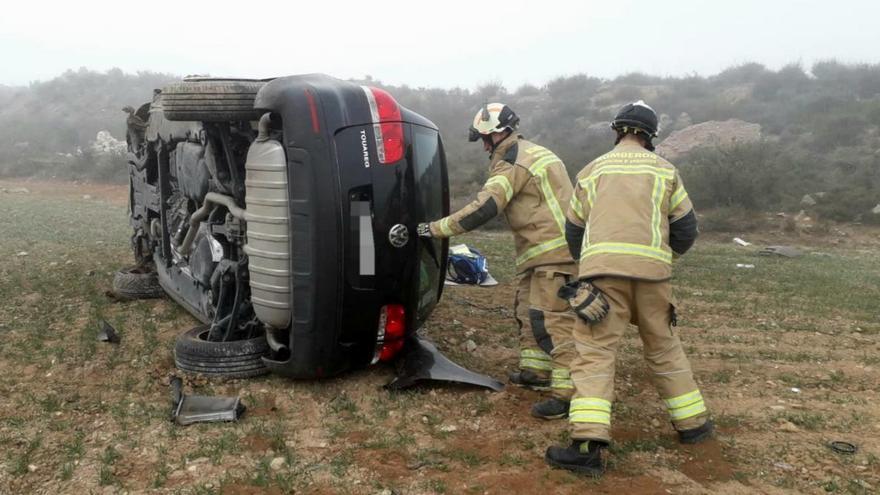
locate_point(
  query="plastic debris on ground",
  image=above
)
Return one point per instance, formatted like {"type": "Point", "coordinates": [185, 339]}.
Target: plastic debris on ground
{"type": "Point", "coordinates": [423, 362]}
{"type": "Point", "coordinates": [843, 447]}
{"type": "Point", "coordinates": [108, 334]}
{"type": "Point", "coordinates": [785, 251]}
{"type": "Point", "coordinates": [741, 242]}
{"type": "Point", "coordinates": [189, 409]}
{"type": "Point", "coordinates": [743, 265]}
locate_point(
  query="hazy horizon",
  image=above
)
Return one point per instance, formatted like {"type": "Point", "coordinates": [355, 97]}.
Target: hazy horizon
{"type": "Point", "coordinates": [456, 44]}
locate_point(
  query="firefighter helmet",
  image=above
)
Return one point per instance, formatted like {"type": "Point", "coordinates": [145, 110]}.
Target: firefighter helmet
{"type": "Point", "coordinates": [636, 117]}
{"type": "Point", "coordinates": [492, 118]}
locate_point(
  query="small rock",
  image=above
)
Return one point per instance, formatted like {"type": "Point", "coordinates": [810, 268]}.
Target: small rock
{"type": "Point", "coordinates": [788, 427]}
{"type": "Point", "coordinates": [198, 460]}
{"type": "Point", "coordinates": [808, 200]}
{"type": "Point", "coordinates": [864, 484]}
{"type": "Point", "coordinates": [795, 390]}
{"type": "Point", "coordinates": [87, 196]}
{"type": "Point", "coordinates": [386, 491]}
{"type": "Point", "coordinates": [417, 464]}
{"type": "Point", "coordinates": [32, 467]}
{"type": "Point", "coordinates": [277, 463]}
{"type": "Point", "coordinates": [777, 408]}
{"type": "Point", "coordinates": [655, 423]}
{"type": "Point", "coordinates": [448, 428]}
{"type": "Point", "coordinates": [21, 253]}
{"type": "Point", "coordinates": [876, 210]}
{"type": "Point", "coordinates": [470, 345]}
{"type": "Point", "coordinates": [424, 420]}
{"type": "Point", "coordinates": [784, 466]}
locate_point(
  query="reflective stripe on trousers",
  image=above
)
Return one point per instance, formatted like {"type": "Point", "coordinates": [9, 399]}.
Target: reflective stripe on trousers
{"type": "Point", "coordinates": [561, 379]}
{"type": "Point", "coordinates": [535, 359]}
{"type": "Point", "coordinates": [686, 406]}
{"type": "Point", "coordinates": [590, 410]}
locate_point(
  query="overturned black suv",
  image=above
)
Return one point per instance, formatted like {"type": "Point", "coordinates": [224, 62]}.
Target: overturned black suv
{"type": "Point", "coordinates": [282, 214]}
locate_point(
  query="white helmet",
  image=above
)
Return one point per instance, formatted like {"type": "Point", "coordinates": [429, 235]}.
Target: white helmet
{"type": "Point", "coordinates": [492, 118]}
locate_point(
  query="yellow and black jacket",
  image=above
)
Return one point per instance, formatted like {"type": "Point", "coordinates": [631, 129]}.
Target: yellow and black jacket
{"type": "Point", "coordinates": [629, 213]}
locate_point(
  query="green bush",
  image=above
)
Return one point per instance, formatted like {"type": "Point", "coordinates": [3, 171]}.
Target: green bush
{"type": "Point", "coordinates": [730, 220]}
{"type": "Point", "coordinates": [750, 176]}
{"type": "Point", "coordinates": [822, 126]}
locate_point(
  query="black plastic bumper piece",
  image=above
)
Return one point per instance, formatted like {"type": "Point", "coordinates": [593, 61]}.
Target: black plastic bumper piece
{"type": "Point", "coordinates": [423, 361]}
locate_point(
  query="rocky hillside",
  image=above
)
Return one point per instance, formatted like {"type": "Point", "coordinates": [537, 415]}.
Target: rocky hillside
{"type": "Point", "coordinates": [785, 133]}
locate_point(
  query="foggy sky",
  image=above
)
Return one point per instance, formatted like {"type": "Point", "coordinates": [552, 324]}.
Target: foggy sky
{"type": "Point", "coordinates": [438, 43]}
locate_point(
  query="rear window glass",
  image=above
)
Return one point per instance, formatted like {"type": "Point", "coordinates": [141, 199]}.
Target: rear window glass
{"type": "Point", "coordinates": [428, 165]}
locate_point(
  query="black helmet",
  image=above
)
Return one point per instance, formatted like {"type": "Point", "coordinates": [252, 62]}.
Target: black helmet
{"type": "Point", "coordinates": [636, 117]}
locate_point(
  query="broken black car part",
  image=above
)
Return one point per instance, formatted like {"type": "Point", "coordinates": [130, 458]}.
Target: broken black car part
{"type": "Point", "coordinates": [189, 409]}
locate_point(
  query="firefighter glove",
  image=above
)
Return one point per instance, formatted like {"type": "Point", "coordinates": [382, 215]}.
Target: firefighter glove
{"type": "Point", "coordinates": [586, 300]}
{"type": "Point", "coordinates": [424, 230]}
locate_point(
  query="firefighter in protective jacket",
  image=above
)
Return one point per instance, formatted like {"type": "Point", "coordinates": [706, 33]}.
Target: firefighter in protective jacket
{"type": "Point", "coordinates": [531, 186]}
{"type": "Point", "coordinates": [628, 218]}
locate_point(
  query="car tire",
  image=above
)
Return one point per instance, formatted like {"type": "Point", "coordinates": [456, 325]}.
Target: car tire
{"type": "Point", "coordinates": [137, 282]}
{"type": "Point", "coordinates": [211, 101]}
{"type": "Point", "coordinates": [233, 359]}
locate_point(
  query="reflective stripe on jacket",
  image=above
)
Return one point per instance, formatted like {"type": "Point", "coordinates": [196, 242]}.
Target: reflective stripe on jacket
{"type": "Point", "coordinates": [625, 201]}
{"type": "Point", "coordinates": [531, 186]}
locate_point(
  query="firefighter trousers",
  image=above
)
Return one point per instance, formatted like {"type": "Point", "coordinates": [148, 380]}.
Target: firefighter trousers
{"type": "Point", "coordinates": [545, 323]}
{"type": "Point", "coordinates": [647, 305]}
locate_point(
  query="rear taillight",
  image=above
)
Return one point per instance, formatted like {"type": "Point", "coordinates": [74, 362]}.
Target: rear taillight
{"type": "Point", "coordinates": [313, 110]}
{"type": "Point", "coordinates": [392, 330]}
{"type": "Point", "coordinates": [386, 125]}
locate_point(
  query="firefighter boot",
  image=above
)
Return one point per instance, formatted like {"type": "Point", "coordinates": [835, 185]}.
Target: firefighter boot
{"type": "Point", "coordinates": [552, 408]}
{"type": "Point", "coordinates": [698, 434]}
{"type": "Point", "coordinates": [529, 379]}
{"type": "Point", "coordinates": [582, 456]}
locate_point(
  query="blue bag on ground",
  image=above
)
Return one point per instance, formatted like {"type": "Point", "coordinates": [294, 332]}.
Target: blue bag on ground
{"type": "Point", "coordinates": [466, 266]}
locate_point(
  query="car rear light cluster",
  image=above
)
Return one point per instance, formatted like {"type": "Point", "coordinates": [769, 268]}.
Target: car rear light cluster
{"type": "Point", "coordinates": [392, 331]}
{"type": "Point", "coordinates": [387, 125]}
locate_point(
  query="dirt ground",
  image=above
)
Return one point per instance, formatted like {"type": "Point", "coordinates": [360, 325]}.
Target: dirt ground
{"type": "Point", "coordinates": [786, 353]}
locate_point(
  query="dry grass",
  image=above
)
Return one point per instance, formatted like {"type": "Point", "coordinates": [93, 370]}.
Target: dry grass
{"type": "Point", "coordinates": [79, 416]}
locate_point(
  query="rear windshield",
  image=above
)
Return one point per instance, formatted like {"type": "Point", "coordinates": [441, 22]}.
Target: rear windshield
{"type": "Point", "coordinates": [428, 165]}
